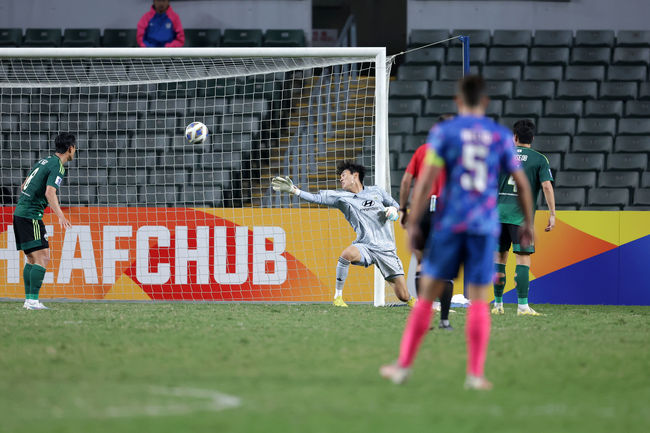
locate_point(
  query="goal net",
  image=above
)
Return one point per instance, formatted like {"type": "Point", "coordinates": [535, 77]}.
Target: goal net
{"type": "Point", "coordinates": [156, 218]}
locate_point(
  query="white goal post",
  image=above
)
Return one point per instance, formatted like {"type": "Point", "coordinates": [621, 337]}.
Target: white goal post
{"type": "Point", "coordinates": [156, 218]}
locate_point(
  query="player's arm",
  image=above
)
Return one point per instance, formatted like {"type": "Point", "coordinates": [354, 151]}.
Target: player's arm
{"type": "Point", "coordinates": [420, 200]}
{"type": "Point", "coordinates": [285, 184]}
{"type": "Point", "coordinates": [549, 195]}
{"type": "Point", "coordinates": [526, 203]}
{"type": "Point", "coordinates": [404, 191]}
{"type": "Point", "coordinates": [390, 204]}
{"type": "Point", "coordinates": [53, 201]}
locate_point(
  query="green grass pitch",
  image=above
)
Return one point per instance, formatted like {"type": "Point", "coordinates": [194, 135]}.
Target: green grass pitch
{"type": "Point", "coordinates": [179, 367]}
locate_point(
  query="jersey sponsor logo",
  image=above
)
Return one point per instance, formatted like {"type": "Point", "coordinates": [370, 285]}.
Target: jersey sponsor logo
{"type": "Point", "coordinates": [43, 162]}
{"type": "Point", "coordinates": [368, 203]}
{"type": "Point", "coordinates": [58, 180]}
{"type": "Point", "coordinates": [522, 157]}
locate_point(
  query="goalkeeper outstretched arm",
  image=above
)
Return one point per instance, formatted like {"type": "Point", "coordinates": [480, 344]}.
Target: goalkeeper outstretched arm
{"type": "Point", "coordinates": [285, 184]}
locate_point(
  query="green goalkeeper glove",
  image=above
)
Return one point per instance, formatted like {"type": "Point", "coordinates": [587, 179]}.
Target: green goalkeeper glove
{"type": "Point", "coordinates": [284, 184]}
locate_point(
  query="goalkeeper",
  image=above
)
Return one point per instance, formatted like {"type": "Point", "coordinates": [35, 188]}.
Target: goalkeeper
{"type": "Point", "coordinates": [369, 210]}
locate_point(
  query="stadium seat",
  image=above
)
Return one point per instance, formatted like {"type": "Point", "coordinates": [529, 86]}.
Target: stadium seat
{"type": "Point", "coordinates": [499, 89]}
{"type": "Point", "coordinates": [11, 37]}
{"type": "Point", "coordinates": [596, 126]}
{"type": "Point", "coordinates": [644, 91]}
{"type": "Point", "coordinates": [618, 90]}
{"type": "Point", "coordinates": [211, 177]}
{"type": "Point", "coordinates": [419, 37]}
{"type": "Point", "coordinates": [553, 38]}
{"type": "Point", "coordinates": [642, 197]}
{"type": "Point", "coordinates": [75, 195]}
{"type": "Point", "coordinates": [511, 38]}
{"type": "Point", "coordinates": [417, 73]}
{"type": "Point", "coordinates": [584, 161]}
{"type": "Point", "coordinates": [645, 179]}
{"type": "Point", "coordinates": [242, 38]}
{"type": "Point", "coordinates": [502, 73]}
{"type": "Point", "coordinates": [477, 56]}
{"type": "Point", "coordinates": [523, 108]}
{"type": "Point", "coordinates": [81, 38]}
{"type": "Point", "coordinates": [563, 108]}
{"type": "Point", "coordinates": [424, 124]}
{"type": "Point", "coordinates": [408, 89]}
{"type": "Point", "coordinates": [604, 108]}
{"type": "Point", "coordinates": [437, 107]}
{"type": "Point", "coordinates": [551, 143]}
{"type": "Point", "coordinates": [426, 56]}
{"type": "Point", "coordinates": [494, 108]}
{"type": "Point", "coordinates": [508, 56]}
{"type": "Point", "coordinates": [556, 126]}
{"type": "Point", "coordinates": [404, 107]}
{"type": "Point", "coordinates": [87, 176]}
{"type": "Point", "coordinates": [634, 126]}
{"type": "Point", "coordinates": [608, 197]}
{"type": "Point", "coordinates": [590, 56]}
{"type": "Point", "coordinates": [400, 125]}
{"type": "Point", "coordinates": [284, 38]}
{"type": "Point", "coordinates": [627, 161]}
{"type": "Point", "coordinates": [202, 37]}
{"type": "Point", "coordinates": [127, 176]}
{"type": "Point", "coordinates": [575, 179]}
{"type": "Point", "coordinates": [632, 143]}
{"type": "Point", "coordinates": [627, 73]}
{"type": "Point", "coordinates": [580, 90]}
{"type": "Point", "coordinates": [396, 142]}
{"type": "Point", "coordinates": [477, 38]}
{"type": "Point", "coordinates": [549, 56]}
{"type": "Point", "coordinates": [119, 38]}
{"type": "Point", "coordinates": [543, 73]}
{"type": "Point", "coordinates": [594, 38]}
{"type": "Point", "coordinates": [403, 161]}
{"type": "Point", "coordinates": [633, 38]}
{"type": "Point", "coordinates": [455, 72]}
{"type": "Point", "coordinates": [535, 90]}
{"type": "Point", "coordinates": [443, 89]}
{"type": "Point", "coordinates": [509, 121]}
{"type": "Point", "coordinates": [42, 38]}
{"type": "Point", "coordinates": [412, 142]}
{"type": "Point", "coordinates": [157, 195]}
{"type": "Point", "coordinates": [585, 73]}
{"type": "Point", "coordinates": [637, 109]}
{"type": "Point", "coordinates": [569, 196]}
{"type": "Point", "coordinates": [631, 56]}
{"type": "Point", "coordinates": [202, 195]}
{"type": "Point", "coordinates": [592, 143]}
{"type": "Point", "coordinates": [618, 179]}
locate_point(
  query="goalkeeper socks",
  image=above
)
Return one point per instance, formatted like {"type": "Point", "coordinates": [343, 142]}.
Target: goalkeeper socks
{"type": "Point", "coordinates": [27, 279]}
{"type": "Point", "coordinates": [416, 327]}
{"type": "Point", "coordinates": [477, 333]}
{"type": "Point", "coordinates": [445, 301]}
{"type": "Point", "coordinates": [36, 278]}
{"type": "Point", "coordinates": [342, 268]}
{"type": "Point", "coordinates": [522, 284]}
{"type": "Point", "coordinates": [499, 282]}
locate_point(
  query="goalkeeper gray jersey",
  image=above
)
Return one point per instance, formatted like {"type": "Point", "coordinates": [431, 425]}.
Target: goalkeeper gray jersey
{"type": "Point", "coordinates": [365, 211]}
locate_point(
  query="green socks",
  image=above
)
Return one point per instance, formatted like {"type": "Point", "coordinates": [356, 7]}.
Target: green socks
{"type": "Point", "coordinates": [522, 283]}
{"type": "Point", "coordinates": [500, 282]}
{"type": "Point", "coordinates": [27, 279]}
{"type": "Point", "coordinates": [36, 276]}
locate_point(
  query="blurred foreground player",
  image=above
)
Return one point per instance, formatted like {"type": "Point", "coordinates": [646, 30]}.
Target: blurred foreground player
{"type": "Point", "coordinates": [473, 149]}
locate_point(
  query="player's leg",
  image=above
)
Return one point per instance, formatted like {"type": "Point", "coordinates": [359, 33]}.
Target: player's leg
{"type": "Point", "coordinates": [40, 258]}
{"type": "Point", "coordinates": [349, 255]}
{"type": "Point", "coordinates": [390, 266]}
{"type": "Point", "coordinates": [398, 283]}
{"type": "Point", "coordinates": [31, 237]}
{"type": "Point", "coordinates": [522, 284]}
{"type": "Point", "coordinates": [445, 305]}
{"type": "Point", "coordinates": [500, 260]}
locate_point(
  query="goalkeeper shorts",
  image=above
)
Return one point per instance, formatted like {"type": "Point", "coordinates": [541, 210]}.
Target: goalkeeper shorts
{"type": "Point", "coordinates": [388, 263]}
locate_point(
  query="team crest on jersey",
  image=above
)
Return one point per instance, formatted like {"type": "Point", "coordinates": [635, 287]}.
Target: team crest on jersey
{"type": "Point", "coordinates": [43, 162]}
{"type": "Point", "coordinates": [368, 203]}
{"type": "Point", "coordinates": [58, 180]}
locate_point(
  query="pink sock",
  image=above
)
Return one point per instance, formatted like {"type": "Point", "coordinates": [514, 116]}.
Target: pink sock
{"type": "Point", "coordinates": [416, 326]}
{"type": "Point", "coordinates": [477, 332]}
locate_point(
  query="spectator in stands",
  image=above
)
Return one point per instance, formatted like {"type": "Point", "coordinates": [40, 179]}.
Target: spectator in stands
{"type": "Point", "coordinates": [160, 27]}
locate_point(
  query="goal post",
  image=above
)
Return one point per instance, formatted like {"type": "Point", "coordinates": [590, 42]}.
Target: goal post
{"type": "Point", "coordinates": [157, 218]}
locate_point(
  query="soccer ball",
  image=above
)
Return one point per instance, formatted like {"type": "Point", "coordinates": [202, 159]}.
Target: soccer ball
{"type": "Point", "coordinates": [196, 133]}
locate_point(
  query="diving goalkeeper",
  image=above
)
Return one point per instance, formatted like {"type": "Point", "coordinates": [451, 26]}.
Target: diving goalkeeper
{"type": "Point", "coordinates": [369, 210]}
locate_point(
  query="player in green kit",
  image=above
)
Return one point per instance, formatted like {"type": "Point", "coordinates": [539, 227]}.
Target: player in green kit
{"type": "Point", "coordinates": [36, 193]}
{"type": "Point", "coordinates": [536, 168]}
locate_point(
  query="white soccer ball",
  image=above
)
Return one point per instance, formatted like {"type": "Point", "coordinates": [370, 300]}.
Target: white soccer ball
{"type": "Point", "coordinates": [196, 133]}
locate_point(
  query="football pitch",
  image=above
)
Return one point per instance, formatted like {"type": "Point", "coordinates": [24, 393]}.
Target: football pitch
{"type": "Point", "coordinates": [181, 367]}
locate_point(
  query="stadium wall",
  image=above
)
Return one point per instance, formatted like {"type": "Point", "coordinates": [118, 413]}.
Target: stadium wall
{"type": "Point", "coordinates": [221, 14]}
{"type": "Point", "coordinates": [532, 15]}
{"type": "Point", "coordinates": [594, 257]}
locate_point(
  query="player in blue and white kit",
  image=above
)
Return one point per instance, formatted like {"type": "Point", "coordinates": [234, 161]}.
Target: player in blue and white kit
{"type": "Point", "coordinates": [370, 211]}
{"type": "Point", "coordinates": [472, 149]}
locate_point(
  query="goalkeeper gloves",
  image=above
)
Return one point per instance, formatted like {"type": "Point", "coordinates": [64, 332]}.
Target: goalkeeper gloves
{"type": "Point", "coordinates": [391, 213]}
{"type": "Point", "coordinates": [284, 184]}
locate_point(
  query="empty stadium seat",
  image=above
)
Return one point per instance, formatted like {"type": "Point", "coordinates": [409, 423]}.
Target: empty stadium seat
{"type": "Point", "coordinates": [569, 196]}
{"type": "Point", "coordinates": [424, 124]}
{"type": "Point", "coordinates": [75, 195]}
{"type": "Point", "coordinates": [523, 108]}
{"type": "Point", "coordinates": [242, 38]}
{"type": "Point", "coordinates": [477, 38]}
{"type": "Point", "coordinates": [426, 56]}
{"type": "Point", "coordinates": [543, 73]}
{"type": "Point", "coordinates": [585, 73]}
{"type": "Point", "coordinates": [511, 38]}
{"type": "Point", "coordinates": [509, 121]}
{"type": "Point", "coordinates": [535, 90]}
{"type": "Point", "coordinates": [404, 107]}
{"type": "Point", "coordinates": [551, 143]}
{"type": "Point", "coordinates": [455, 72]}
{"type": "Point", "coordinates": [632, 143]}
{"type": "Point", "coordinates": [633, 38]}
{"type": "Point", "coordinates": [42, 38]}
{"type": "Point", "coordinates": [563, 108]}
{"type": "Point", "coordinates": [584, 161]}
{"type": "Point", "coordinates": [409, 89]}
{"type": "Point", "coordinates": [417, 73]}
{"type": "Point", "coordinates": [608, 197]}
{"type": "Point", "coordinates": [627, 73]}
{"type": "Point", "coordinates": [556, 126]}
{"type": "Point", "coordinates": [596, 126]}
{"type": "Point", "coordinates": [81, 38]}
{"type": "Point", "coordinates": [590, 56]}
{"type": "Point", "coordinates": [403, 160]}
{"type": "Point", "coordinates": [637, 109]}
{"type": "Point", "coordinates": [11, 37]}
{"type": "Point", "coordinates": [400, 125]}
{"type": "Point", "coordinates": [443, 89]}
{"type": "Point", "coordinates": [592, 143]}
{"type": "Point", "coordinates": [477, 56]}
{"type": "Point", "coordinates": [499, 89]}
{"type": "Point", "coordinates": [575, 179]}
{"type": "Point", "coordinates": [155, 195]}
{"type": "Point", "coordinates": [627, 161]}
{"type": "Point", "coordinates": [642, 197]}
{"type": "Point", "coordinates": [645, 180]}
{"type": "Point", "coordinates": [553, 38]}
{"type": "Point", "coordinates": [618, 90]}
{"type": "Point", "coordinates": [119, 38]}
{"type": "Point", "coordinates": [634, 126]}
{"type": "Point", "coordinates": [631, 56]}
{"type": "Point", "coordinates": [549, 56]}
{"type": "Point", "coordinates": [618, 179]}
{"type": "Point", "coordinates": [581, 90]}
{"type": "Point", "coordinates": [284, 38]}
{"type": "Point", "coordinates": [412, 142]}
{"type": "Point", "coordinates": [419, 37]}
{"type": "Point", "coordinates": [202, 37]}
{"type": "Point", "coordinates": [594, 38]}
{"type": "Point", "coordinates": [502, 72]}
{"type": "Point", "coordinates": [644, 91]}
{"type": "Point", "coordinates": [508, 55]}
{"type": "Point", "coordinates": [127, 176]}
{"type": "Point", "coordinates": [494, 108]}
{"type": "Point", "coordinates": [437, 107]}
{"type": "Point", "coordinates": [604, 108]}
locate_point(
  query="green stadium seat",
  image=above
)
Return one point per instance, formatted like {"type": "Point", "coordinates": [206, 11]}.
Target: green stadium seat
{"type": "Point", "coordinates": [627, 161]}
{"type": "Point", "coordinates": [535, 90]}
{"type": "Point", "coordinates": [596, 126]}
{"type": "Point", "coordinates": [509, 121]}
{"type": "Point", "coordinates": [637, 109]}
{"type": "Point", "coordinates": [543, 73]}
{"type": "Point", "coordinates": [569, 196]}
{"type": "Point", "coordinates": [551, 143]}
{"type": "Point", "coordinates": [632, 143]}
{"type": "Point", "coordinates": [396, 142]}
{"type": "Point", "coordinates": [477, 38]}
{"type": "Point", "coordinates": [499, 89]}
{"type": "Point", "coordinates": [633, 38]}
{"type": "Point", "coordinates": [42, 38]}
{"type": "Point", "coordinates": [594, 38]}
{"type": "Point", "coordinates": [408, 89]}
{"type": "Point", "coordinates": [645, 180]}
{"type": "Point", "coordinates": [563, 108]}
{"type": "Point", "coordinates": [502, 72]}
{"type": "Point", "coordinates": [202, 37]}
{"type": "Point", "coordinates": [631, 56]}
{"type": "Point", "coordinates": [477, 56]}
{"type": "Point", "coordinates": [590, 56]}
{"type": "Point", "coordinates": [242, 38]}
{"type": "Point", "coordinates": [443, 89]}
{"type": "Point", "coordinates": [523, 107]}
{"type": "Point", "coordinates": [412, 142]}
{"type": "Point", "coordinates": [400, 125]}
{"type": "Point", "coordinates": [11, 37]}
{"type": "Point", "coordinates": [556, 126]}
{"type": "Point", "coordinates": [642, 197]}
{"type": "Point", "coordinates": [424, 124]}
{"type": "Point", "coordinates": [119, 38]}
{"type": "Point", "coordinates": [604, 108]}
{"type": "Point", "coordinates": [437, 107]}
{"type": "Point", "coordinates": [508, 56]}
{"type": "Point", "coordinates": [415, 73]}
{"type": "Point", "coordinates": [494, 108]}
{"type": "Point", "coordinates": [511, 38]}
{"type": "Point", "coordinates": [81, 38]}
{"type": "Point", "coordinates": [584, 161]}
{"type": "Point", "coordinates": [584, 73]}
{"type": "Point", "coordinates": [644, 91]}
{"type": "Point", "coordinates": [581, 90]}
{"type": "Point", "coordinates": [426, 56]}
{"type": "Point", "coordinates": [634, 126]}
{"type": "Point", "coordinates": [549, 56]}
{"type": "Point", "coordinates": [284, 38]}
{"type": "Point", "coordinates": [575, 179]}
{"type": "Point", "coordinates": [618, 179]}
{"type": "Point", "coordinates": [608, 197]}
{"type": "Point", "coordinates": [618, 90]}
{"type": "Point", "coordinates": [404, 107]}
{"type": "Point", "coordinates": [627, 73]}
{"type": "Point", "coordinates": [553, 38]}
{"type": "Point", "coordinates": [423, 37]}
{"type": "Point", "coordinates": [455, 72]}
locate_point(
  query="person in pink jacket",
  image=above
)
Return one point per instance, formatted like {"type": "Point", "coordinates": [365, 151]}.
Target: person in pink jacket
{"type": "Point", "coordinates": [160, 27]}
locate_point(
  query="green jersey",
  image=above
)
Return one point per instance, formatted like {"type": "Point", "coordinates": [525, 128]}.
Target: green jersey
{"type": "Point", "coordinates": [535, 166]}
{"type": "Point", "coordinates": [32, 201]}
